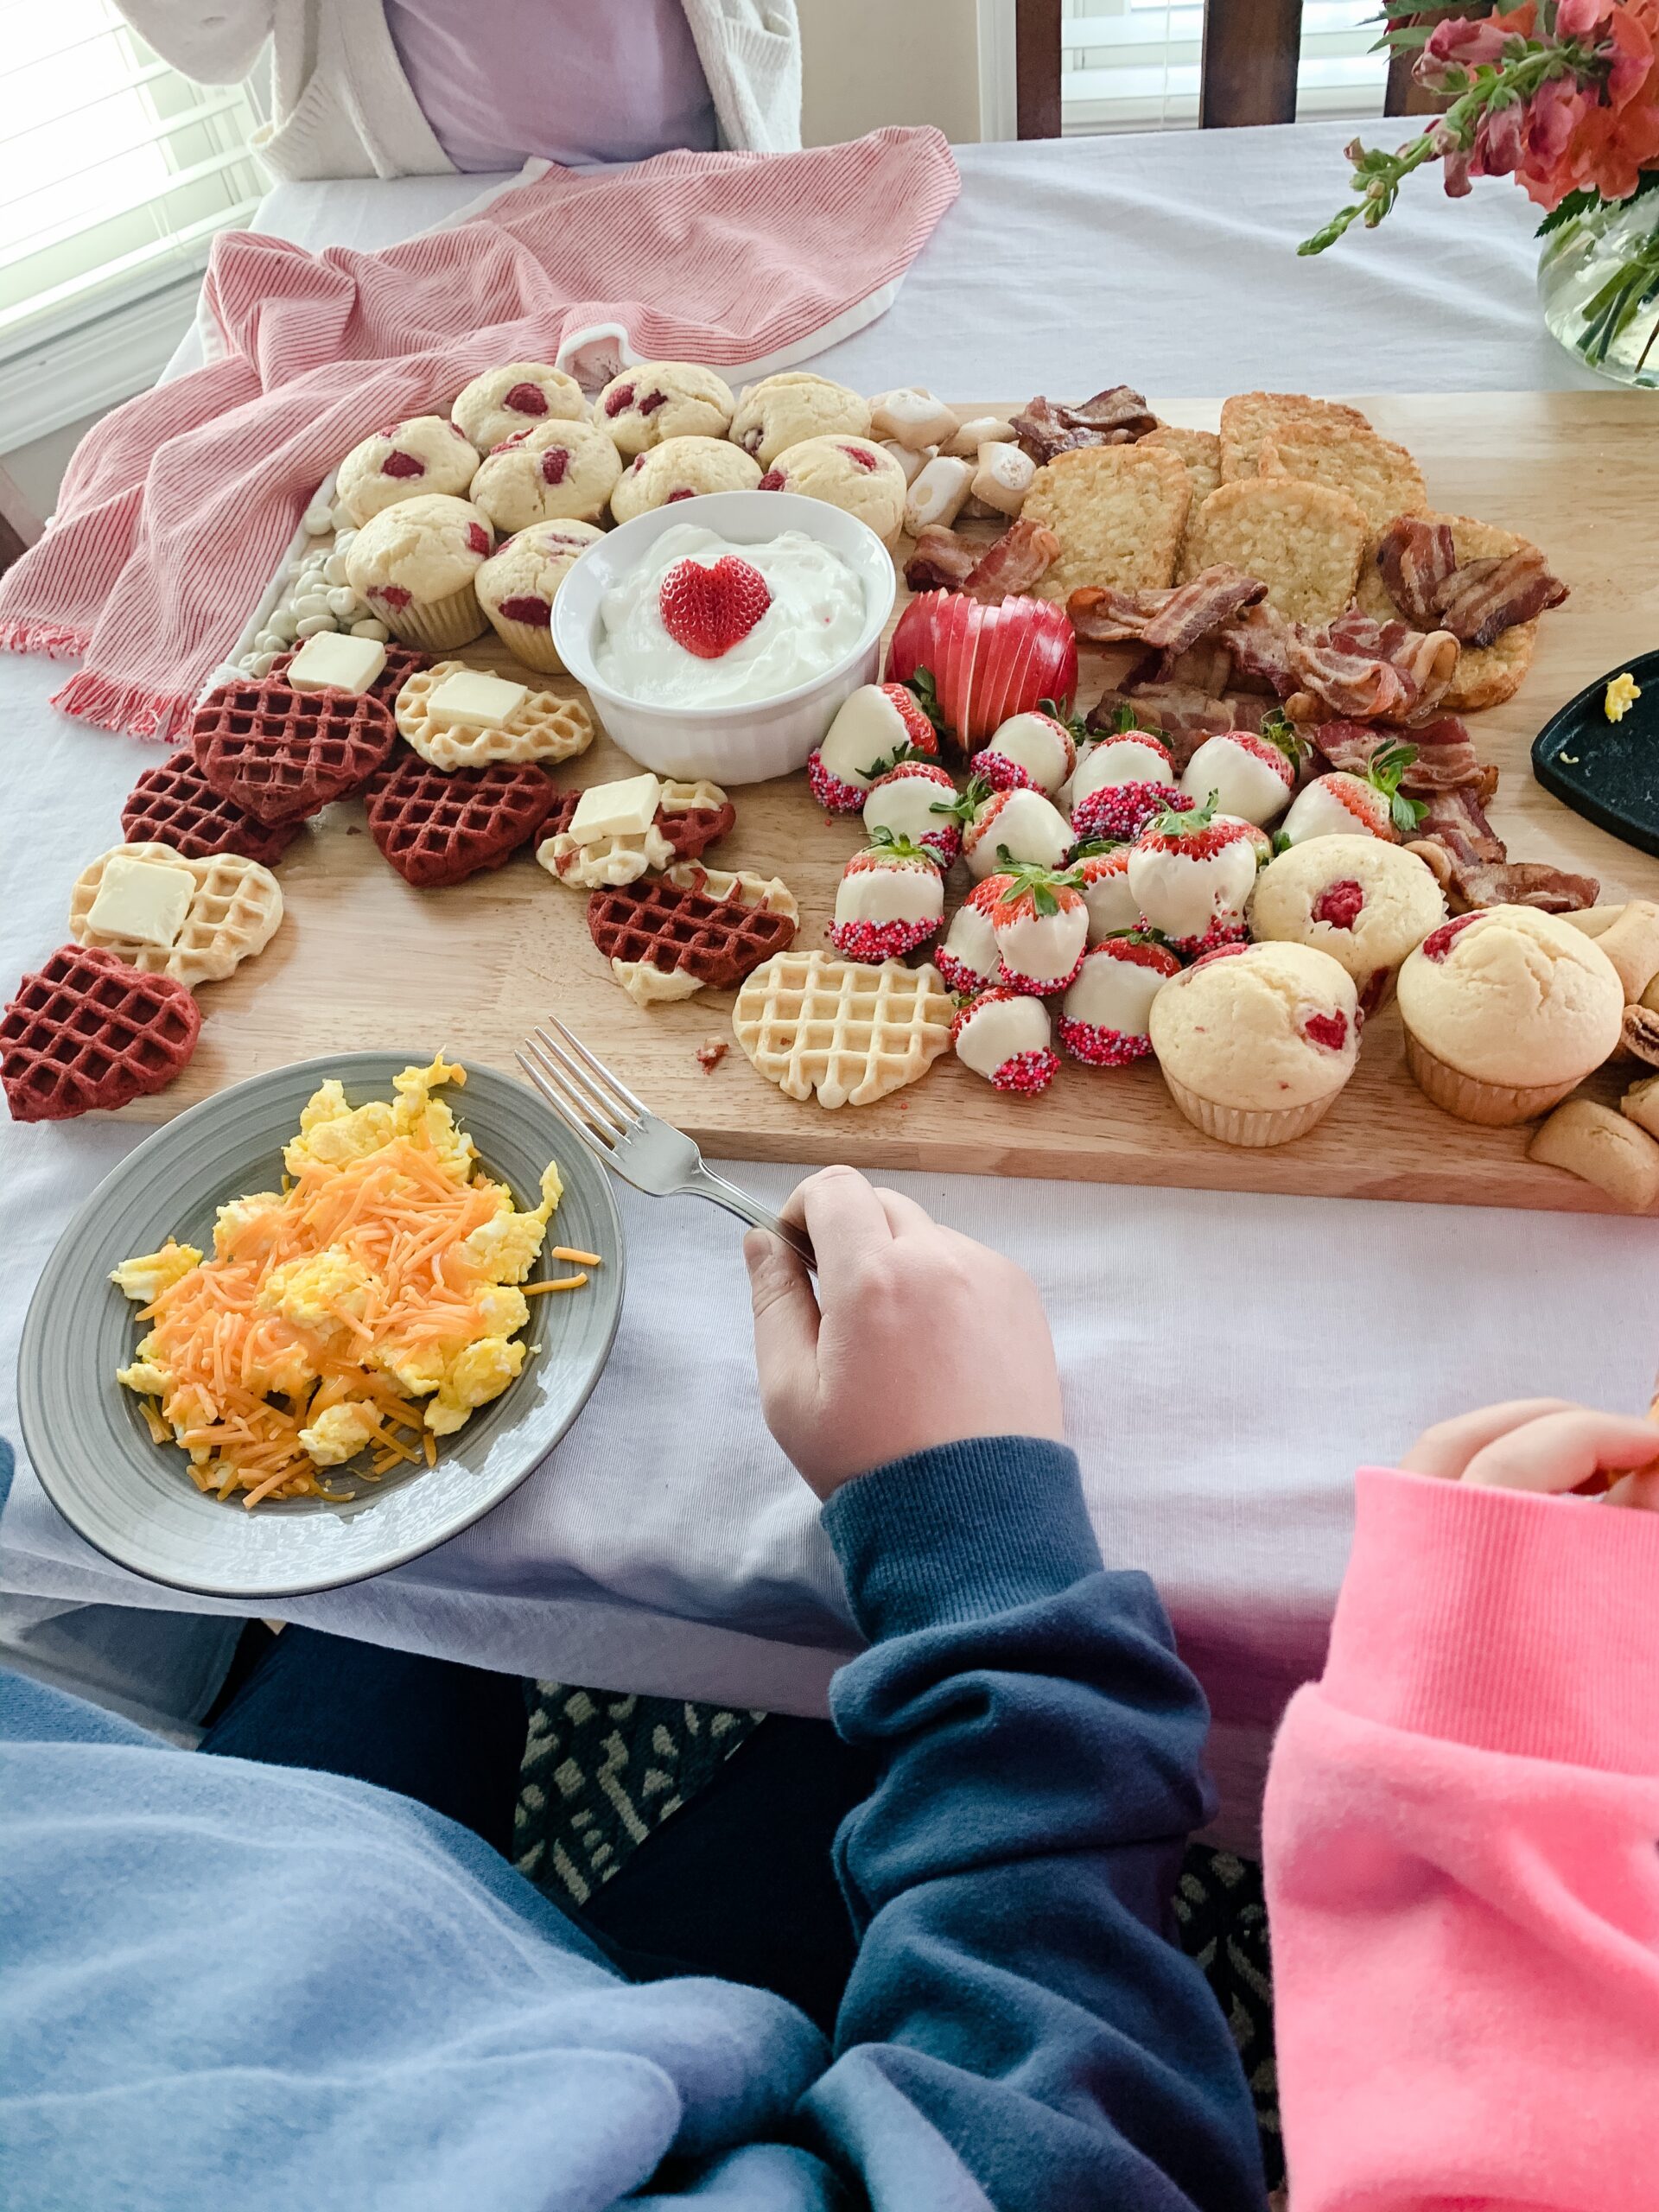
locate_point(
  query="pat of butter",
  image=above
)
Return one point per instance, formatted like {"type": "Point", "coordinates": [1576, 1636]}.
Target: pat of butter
{"type": "Point", "coordinates": [471, 700]}
{"type": "Point", "coordinates": [623, 810]}
{"type": "Point", "coordinates": [329, 662]}
{"type": "Point", "coordinates": [143, 901]}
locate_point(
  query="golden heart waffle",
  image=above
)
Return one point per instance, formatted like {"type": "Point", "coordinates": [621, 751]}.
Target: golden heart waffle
{"type": "Point", "coordinates": [283, 754]}
{"type": "Point", "coordinates": [89, 1032]}
{"type": "Point", "coordinates": [438, 829]}
{"type": "Point", "coordinates": [174, 804]}
{"type": "Point", "coordinates": [542, 727]}
{"type": "Point", "coordinates": [851, 1032]}
{"type": "Point", "coordinates": [690, 928]}
{"type": "Point", "coordinates": [693, 817]}
{"type": "Point", "coordinates": [233, 913]}
{"type": "Point", "coordinates": [402, 661]}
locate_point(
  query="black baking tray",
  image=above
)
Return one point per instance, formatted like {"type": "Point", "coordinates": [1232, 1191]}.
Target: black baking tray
{"type": "Point", "coordinates": [1607, 772]}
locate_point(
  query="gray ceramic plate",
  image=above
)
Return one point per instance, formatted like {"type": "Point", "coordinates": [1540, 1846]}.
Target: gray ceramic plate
{"type": "Point", "coordinates": [132, 1498]}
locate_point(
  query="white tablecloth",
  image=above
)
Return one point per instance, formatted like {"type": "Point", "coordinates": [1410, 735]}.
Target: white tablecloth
{"type": "Point", "coordinates": [1227, 1360]}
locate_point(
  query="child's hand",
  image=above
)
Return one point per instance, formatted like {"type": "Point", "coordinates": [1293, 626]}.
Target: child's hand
{"type": "Point", "coordinates": [1545, 1443]}
{"type": "Point", "coordinates": [917, 1336]}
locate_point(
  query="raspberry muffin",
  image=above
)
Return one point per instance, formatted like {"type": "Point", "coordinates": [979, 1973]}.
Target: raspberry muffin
{"type": "Point", "coordinates": [782, 411]}
{"type": "Point", "coordinates": [521, 396]}
{"type": "Point", "coordinates": [1506, 1010]}
{"type": "Point", "coordinates": [1367, 904]}
{"type": "Point", "coordinates": [416, 564]}
{"type": "Point", "coordinates": [518, 584]}
{"type": "Point", "coordinates": [410, 460]}
{"type": "Point", "coordinates": [655, 401]}
{"type": "Point", "coordinates": [1257, 1040]}
{"type": "Point", "coordinates": [854, 474]}
{"type": "Point", "coordinates": [678, 469]}
{"type": "Point", "coordinates": [564, 472]}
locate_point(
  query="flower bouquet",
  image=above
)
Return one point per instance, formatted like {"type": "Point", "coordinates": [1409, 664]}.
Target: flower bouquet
{"type": "Point", "coordinates": [1563, 95]}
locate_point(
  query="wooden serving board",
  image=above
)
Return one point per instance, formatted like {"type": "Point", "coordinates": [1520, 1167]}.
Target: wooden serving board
{"type": "Point", "coordinates": [363, 961]}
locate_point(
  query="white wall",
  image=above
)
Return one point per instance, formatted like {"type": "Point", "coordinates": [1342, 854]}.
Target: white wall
{"type": "Point", "coordinates": [37, 469]}
{"type": "Point", "coordinates": [867, 62]}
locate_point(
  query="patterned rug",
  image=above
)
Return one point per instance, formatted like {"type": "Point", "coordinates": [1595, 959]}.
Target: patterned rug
{"type": "Point", "coordinates": [602, 1771]}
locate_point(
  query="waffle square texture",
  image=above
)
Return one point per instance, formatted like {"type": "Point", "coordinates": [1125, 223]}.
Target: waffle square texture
{"type": "Point", "coordinates": [713, 928]}
{"type": "Point", "coordinates": [174, 804]}
{"type": "Point", "coordinates": [437, 828]}
{"type": "Point", "coordinates": [282, 755]}
{"type": "Point", "coordinates": [88, 1031]}
{"type": "Point", "coordinates": [233, 913]}
{"type": "Point", "coordinates": [542, 727]}
{"type": "Point", "coordinates": [851, 1033]}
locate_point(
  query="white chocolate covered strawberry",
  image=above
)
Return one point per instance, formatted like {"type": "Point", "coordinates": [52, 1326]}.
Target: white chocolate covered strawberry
{"type": "Point", "coordinates": [1120, 784]}
{"type": "Point", "coordinates": [1040, 925]}
{"type": "Point", "coordinates": [891, 900]}
{"type": "Point", "coordinates": [968, 959]}
{"type": "Point", "coordinates": [1032, 748]}
{"type": "Point", "coordinates": [917, 800]}
{"type": "Point", "coordinates": [874, 727]}
{"type": "Point", "coordinates": [1003, 1035]}
{"type": "Point", "coordinates": [1019, 826]}
{"type": "Point", "coordinates": [1193, 874]}
{"type": "Point", "coordinates": [1251, 775]}
{"type": "Point", "coordinates": [1344, 805]}
{"type": "Point", "coordinates": [1105, 1013]}
{"type": "Point", "coordinates": [1102, 874]}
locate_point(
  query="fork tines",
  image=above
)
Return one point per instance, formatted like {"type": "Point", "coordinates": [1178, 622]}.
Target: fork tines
{"type": "Point", "coordinates": [599, 1108]}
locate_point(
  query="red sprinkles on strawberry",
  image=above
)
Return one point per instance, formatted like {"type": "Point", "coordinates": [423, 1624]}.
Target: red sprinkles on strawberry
{"type": "Point", "coordinates": [891, 899]}
{"type": "Point", "coordinates": [708, 610]}
{"type": "Point", "coordinates": [1119, 812]}
{"type": "Point", "coordinates": [1003, 1035]}
{"type": "Point", "coordinates": [1104, 1022]}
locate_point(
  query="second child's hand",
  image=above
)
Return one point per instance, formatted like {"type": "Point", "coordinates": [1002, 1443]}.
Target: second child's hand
{"type": "Point", "coordinates": [1545, 1445]}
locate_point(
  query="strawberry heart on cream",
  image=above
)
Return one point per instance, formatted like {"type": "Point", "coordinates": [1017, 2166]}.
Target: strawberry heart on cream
{"type": "Point", "coordinates": [1004, 1036]}
{"type": "Point", "coordinates": [891, 899]}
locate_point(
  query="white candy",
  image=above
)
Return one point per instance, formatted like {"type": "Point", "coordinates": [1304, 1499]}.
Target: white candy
{"type": "Point", "coordinates": [267, 641]}
{"type": "Point", "coordinates": [938, 493]}
{"type": "Point", "coordinates": [913, 416]}
{"type": "Point", "coordinates": [370, 629]}
{"type": "Point", "coordinates": [1002, 477]}
{"type": "Point", "coordinates": [310, 624]}
{"type": "Point", "coordinates": [294, 570]}
{"type": "Point", "coordinates": [1032, 828]}
{"type": "Point", "coordinates": [342, 601]}
{"type": "Point", "coordinates": [981, 430]}
{"type": "Point", "coordinates": [341, 518]}
{"type": "Point", "coordinates": [311, 602]}
{"type": "Point", "coordinates": [344, 541]}
{"type": "Point", "coordinates": [333, 569]}
{"type": "Point", "coordinates": [911, 460]}
{"type": "Point", "coordinates": [260, 664]}
{"type": "Point", "coordinates": [318, 518]}
{"type": "Point", "coordinates": [286, 624]}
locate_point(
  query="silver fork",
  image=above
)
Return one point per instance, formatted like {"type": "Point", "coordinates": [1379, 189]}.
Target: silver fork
{"type": "Point", "coordinates": [633, 1142]}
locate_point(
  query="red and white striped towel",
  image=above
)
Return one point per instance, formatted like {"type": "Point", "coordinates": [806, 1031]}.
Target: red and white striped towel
{"type": "Point", "coordinates": [176, 509]}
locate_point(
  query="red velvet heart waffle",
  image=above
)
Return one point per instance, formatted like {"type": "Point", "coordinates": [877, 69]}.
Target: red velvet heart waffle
{"type": "Point", "coordinates": [282, 755]}
{"type": "Point", "coordinates": [438, 827]}
{"type": "Point", "coordinates": [669, 925]}
{"type": "Point", "coordinates": [174, 804]}
{"type": "Point", "coordinates": [694, 828]}
{"type": "Point", "coordinates": [402, 661]}
{"type": "Point", "coordinates": [87, 1031]}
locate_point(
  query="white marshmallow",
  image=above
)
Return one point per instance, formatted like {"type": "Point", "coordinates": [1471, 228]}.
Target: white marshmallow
{"type": "Point", "coordinates": [1002, 476]}
{"type": "Point", "coordinates": [913, 416]}
{"type": "Point", "coordinates": [938, 493]}
{"type": "Point", "coordinates": [913, 459]}
{"type": "Point", "coordinates": [980, 430]}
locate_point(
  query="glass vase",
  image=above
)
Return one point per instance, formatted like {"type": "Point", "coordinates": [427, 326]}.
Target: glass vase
{"type": "Point", "coordinates": [1599, 283]}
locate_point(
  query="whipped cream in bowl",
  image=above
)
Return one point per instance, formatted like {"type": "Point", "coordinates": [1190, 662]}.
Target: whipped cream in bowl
{"type": "Point", "coordinates": [718, 635]}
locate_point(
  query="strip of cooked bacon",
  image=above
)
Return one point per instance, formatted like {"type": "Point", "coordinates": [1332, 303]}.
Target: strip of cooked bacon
{"type": "Point", "coordinates": [1483, 599]}
{"type": "Point", "coordinates": [1474, 600]}
{"type": "Point", "coordinates": [1413, 559]}
{"type": "Point", "coordinates": [1116, 416]}
{"type": "Point", "coordinates": [1169, 622]}
{"type": "Point", "coordinates": [1207, 666]}
{"type": "Point", "coordinates": [943, 560]}
{"type": "Point", "coordinates": [1445, 759]}
{"type": "Point", "coordinates": [1368, 671]}
{"type": "Point", "coordinates": [1457, 820]}
{"type": "Point", "coordinates": [1523, 883]}
{"type": "Point", "coordinates": [1013, 563]}
{"type": "Point", "coordinates": [1259, 642]}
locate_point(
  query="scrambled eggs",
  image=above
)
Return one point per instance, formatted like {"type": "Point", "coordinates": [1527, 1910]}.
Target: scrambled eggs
{"type": "Point", "coordinates": [373, 1300]}
{"type": "Point", "coordinates": [1621, 695]}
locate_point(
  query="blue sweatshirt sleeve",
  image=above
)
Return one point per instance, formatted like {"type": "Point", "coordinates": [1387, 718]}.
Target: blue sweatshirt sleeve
{"type": "Point", "coordinates": [1019, 2029]}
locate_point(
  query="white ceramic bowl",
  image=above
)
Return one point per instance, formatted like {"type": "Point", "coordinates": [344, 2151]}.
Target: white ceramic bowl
{"type": "Point", "coordinates": [730, 744]}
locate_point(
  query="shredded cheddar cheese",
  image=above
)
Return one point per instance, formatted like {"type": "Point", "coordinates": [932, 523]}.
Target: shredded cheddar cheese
{"type": "Point", "coordinates": [368, 1306]}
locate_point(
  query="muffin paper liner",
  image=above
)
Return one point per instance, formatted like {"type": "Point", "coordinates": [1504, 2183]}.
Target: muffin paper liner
{"type": "Point", "coordinates": [1253, 1126]}
{"type": "Point", "coordinates": [1493, 1105]}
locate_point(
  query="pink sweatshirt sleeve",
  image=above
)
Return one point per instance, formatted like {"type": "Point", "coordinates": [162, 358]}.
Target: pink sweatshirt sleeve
{"type": "Point", "coordinates": [1462, 1847]}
